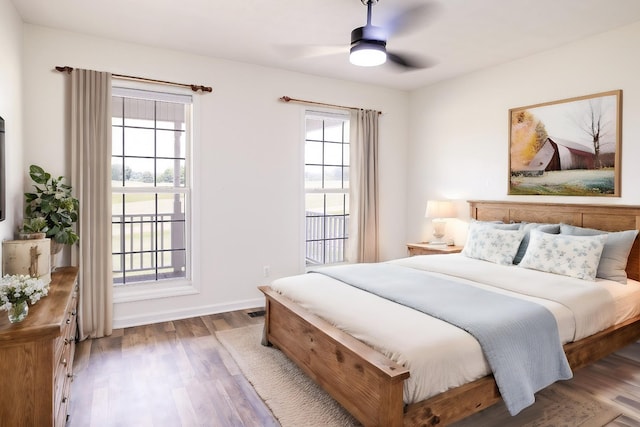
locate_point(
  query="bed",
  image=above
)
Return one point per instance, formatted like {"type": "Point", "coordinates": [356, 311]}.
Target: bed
{"type": "Point", "coordinates": [370, 385]}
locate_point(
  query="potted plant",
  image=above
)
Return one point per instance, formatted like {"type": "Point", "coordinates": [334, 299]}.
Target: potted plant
{"type": "Point", "coordinates": [33, 228]}
{"type": "Point", "coordinates": [53, 202]}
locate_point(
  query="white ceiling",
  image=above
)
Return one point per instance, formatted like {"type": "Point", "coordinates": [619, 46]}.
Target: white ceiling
{"type": "Point", "coordinates": [463, 36]}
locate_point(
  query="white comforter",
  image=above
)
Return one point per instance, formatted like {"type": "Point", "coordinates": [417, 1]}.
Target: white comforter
{"type": "Point", "coordinates": [441, 356]}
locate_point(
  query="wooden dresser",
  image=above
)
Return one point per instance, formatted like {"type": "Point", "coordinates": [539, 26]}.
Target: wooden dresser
{"type": "Point", "coordinates": [36, 357]}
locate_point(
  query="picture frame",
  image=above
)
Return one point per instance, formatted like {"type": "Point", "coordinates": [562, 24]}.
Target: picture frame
{"type": "Point", "coordinates": [570, 147]}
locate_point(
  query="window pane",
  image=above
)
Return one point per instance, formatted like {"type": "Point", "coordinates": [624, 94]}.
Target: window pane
{"type": "Point", "coordinates": [314, 129]}
{"type": "Point", "coordinates": [333, 154]}
{"type": "Point", "coordinates": [335, 204]}
{"type": "Point", "coordinates": [332, 177]}
{"type": "Point", "coordinates": [170, 144]}
{"type": "Point", "coordinates": [117, 172]}
{"type": "Point", "coordinates": [140, 205]}
{"type": "Point", "coordinates": [314, 252]}
{"type": "Point", "coordinates": [333, 130]}
{"type": "Point", "coordinates": [140, 142]}
{"type": "Point", "coordinates": [334, 251]}
{"type": "Point", "coordinates": [313, 152]}
{"type": "Point", "coordinates": [313, 176]}
{"type": "Point", "coordinates": [170, 173]}
{"type": "Point", "coordinates": [171, 236]}
{"type": "Point", "coordinates": [116, 111]}
{"type": "Point", "coordinates": [118, 268]}
{"type": "Point", "coordinates": [117, 148]}
{"type": "Point", "coordinates": [138, 172]}
{"type": "Point", "coordinates": [171, 207]}
{"type": "Point", "coordinates": [314, 204]}
{"type": "Point", "coordinates": [170, 115]}
{"type": "Point", "coordinates": [139, 112]}
{"type": "Point", "coordinates": [345, 153]}
{"type": "Point", "coordinates": [345, 177]}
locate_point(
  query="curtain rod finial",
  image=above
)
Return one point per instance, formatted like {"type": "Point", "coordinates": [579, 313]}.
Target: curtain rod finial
{"type": "Point", "coordinates": [285, 99]}
{"type": "Point", "coordinates": [66, 69]}
{"type": "Point", "coordinates": [197, 88]}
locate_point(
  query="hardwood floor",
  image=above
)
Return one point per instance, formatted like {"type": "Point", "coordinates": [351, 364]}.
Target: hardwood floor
{"type": "Point", "coordinates": [177, 374]}
{"type": "Point", "coordinates": [167, 374]}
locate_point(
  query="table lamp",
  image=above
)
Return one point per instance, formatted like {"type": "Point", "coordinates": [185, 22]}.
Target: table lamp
{"type": "Point", "coordinates": [439, 211]}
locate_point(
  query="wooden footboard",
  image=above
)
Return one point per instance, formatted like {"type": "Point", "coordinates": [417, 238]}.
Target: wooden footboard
{"type": "Point", "coordinates": [363, 381]}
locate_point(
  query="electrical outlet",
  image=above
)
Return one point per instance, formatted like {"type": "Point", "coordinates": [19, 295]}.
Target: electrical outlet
{"type": "Point", "coordinates": [266, 271]}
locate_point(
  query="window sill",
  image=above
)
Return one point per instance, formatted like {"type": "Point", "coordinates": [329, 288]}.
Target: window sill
{"type": "Point", "coordinates": [155, 290]}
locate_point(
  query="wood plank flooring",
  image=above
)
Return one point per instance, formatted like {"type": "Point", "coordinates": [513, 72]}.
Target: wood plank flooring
{"type": "Point", "coordinates": [177, 374]}
{"type": "Point", "coordinates": [167, 374]}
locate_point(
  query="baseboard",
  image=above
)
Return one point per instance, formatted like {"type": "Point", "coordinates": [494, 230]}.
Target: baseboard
{"type": "Point", "coordinates": [166, 316]}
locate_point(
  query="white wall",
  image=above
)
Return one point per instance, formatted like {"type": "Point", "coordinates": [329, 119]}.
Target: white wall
{"type": "Point", "coordinates": [459, 128]}
{"type": "Point", "coordinates": [11, 111]}
{"type": "Point", "coordinates": [250, 164]}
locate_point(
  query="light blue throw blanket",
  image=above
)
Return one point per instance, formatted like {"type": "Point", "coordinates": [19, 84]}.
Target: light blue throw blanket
{"type": "Point", "coordinates": [519, 338]}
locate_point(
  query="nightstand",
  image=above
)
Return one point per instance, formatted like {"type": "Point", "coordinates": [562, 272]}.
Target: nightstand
{"type": "Point", "coordinates": [427, 249]}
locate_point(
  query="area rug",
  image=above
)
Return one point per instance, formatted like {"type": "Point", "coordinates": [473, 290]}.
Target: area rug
{"type": "Point", "coordinates": [297, 401]}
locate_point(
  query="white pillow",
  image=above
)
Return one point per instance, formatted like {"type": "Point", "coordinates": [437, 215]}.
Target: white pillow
{"type": "Point", "coordinates": [573, 256]}
{"type": "Point", "coordinates": [491, 244]}
{"type": "Point", "coordinates": [617, 248]}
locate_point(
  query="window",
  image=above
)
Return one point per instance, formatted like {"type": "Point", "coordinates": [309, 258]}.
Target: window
{"type": "Point", "coordinates": [326, 183]}
{"type": "Point", "coordinates": [150, 166]}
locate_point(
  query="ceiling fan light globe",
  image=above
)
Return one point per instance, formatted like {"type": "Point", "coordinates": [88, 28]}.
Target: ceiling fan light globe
{"type": "Point", "coordinates": [364, 55]}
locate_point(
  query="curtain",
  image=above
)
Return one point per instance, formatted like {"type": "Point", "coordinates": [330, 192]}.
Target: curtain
{"type": "Point", "coordinates": [91, 180]}
{"type": "Point", "coordinates": [363, 201]}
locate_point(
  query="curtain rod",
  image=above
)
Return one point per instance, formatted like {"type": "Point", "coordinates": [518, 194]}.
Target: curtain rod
{"type": "Point", "coordinates": [194, 88]}
{"type": "Point", "coordinates": [302, 101]}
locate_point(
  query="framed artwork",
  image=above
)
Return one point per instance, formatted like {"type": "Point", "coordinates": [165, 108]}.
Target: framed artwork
{"type": "Point", "coordinates": [567, 148]}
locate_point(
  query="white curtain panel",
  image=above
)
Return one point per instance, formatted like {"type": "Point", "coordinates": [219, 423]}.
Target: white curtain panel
{"type": "Point", "coordinates": [363, 202]}
{"type": "Point", "coordinates": [91, 181]}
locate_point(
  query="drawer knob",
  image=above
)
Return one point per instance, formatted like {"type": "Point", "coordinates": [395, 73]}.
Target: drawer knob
{"type": "Point", "coordinates": [64, 362]}
{"type": "Point", "coordinates": [68, 321]}
{"type": "Point", "coordinates": [65, 399]}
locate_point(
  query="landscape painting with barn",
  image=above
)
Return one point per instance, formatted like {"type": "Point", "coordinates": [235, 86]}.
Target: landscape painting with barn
{"type": "Point", "coordinates": [567, 148]}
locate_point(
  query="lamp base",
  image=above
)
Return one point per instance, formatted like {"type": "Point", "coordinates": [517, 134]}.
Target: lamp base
{"type": "Point", "coordinates": [438, 243]}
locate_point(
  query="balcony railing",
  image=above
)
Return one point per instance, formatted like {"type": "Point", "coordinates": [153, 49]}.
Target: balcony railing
{"type": "Point", "coordinates": [148, 247]}
{"type": "Point", "coordinates": [326, 238]}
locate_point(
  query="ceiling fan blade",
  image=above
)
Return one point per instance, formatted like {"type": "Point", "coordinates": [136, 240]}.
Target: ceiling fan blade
{"type": "Point", "coordinates": [309, 51]}
{"type": "Point", "coordinates": [412, 19]}
{"type": "Point", "coordinates": [410, 62]}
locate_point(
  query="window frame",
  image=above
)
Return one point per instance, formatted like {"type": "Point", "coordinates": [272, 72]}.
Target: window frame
{"type": "Point", "coordinates": [190, 284]}
{"type": "Point", "coordinates": [323, 113]}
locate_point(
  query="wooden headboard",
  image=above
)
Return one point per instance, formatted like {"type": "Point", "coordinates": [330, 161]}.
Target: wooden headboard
{"type": "Point", "coordinates": [601, 217]}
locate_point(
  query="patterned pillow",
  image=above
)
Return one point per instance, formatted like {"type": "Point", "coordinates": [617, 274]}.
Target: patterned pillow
{"type": "Point", "coordinates": [617, 248]}
{"type": "Point", "coordinates": [526, 227]}
{"type": "Point", "coordinates": [573, 256]}
{"type": "Point", "coordinates": [491, 244]}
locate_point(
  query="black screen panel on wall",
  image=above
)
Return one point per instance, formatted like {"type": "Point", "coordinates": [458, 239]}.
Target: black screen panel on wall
{"type": "Point", "coordinates": [2, 173]}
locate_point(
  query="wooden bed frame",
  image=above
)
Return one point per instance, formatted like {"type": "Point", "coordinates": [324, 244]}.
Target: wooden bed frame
{"type": "Point", "coordinates": [369, 385]}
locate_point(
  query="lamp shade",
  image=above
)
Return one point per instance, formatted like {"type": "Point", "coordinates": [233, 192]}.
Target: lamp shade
{"type": "Point", "coordinates": [440, 209]}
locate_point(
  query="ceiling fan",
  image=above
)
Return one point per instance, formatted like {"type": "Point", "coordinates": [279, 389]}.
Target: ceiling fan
{"type": "Point", "coordinates": [368, 46]}
{"type": "Point", "coordinates": [369, 43]}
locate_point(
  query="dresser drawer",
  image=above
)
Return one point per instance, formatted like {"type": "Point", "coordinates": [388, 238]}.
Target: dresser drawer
{"type": "Point", "coordinates": [65, 352]}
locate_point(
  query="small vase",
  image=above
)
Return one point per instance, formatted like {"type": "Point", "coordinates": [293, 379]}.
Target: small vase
{"type": "Point", "coordinates": [18, 312]}
{"type": "Point", "coordinates": [56, 249]}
